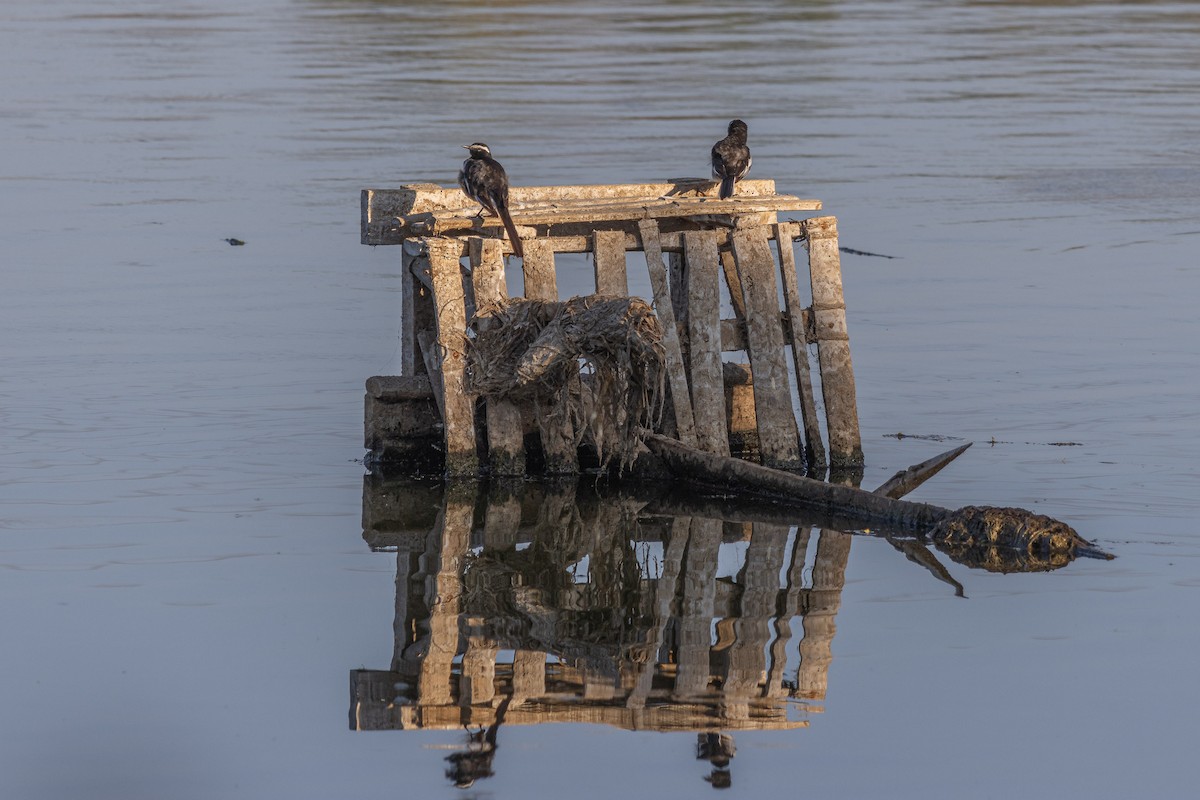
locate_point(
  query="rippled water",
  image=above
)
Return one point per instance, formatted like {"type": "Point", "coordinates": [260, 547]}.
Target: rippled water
{"type": "Point", "coordinates": [185, 583]}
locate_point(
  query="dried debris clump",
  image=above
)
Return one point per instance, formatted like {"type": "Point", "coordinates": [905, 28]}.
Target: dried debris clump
{"type": "Point", "coordinates": [595, 363]}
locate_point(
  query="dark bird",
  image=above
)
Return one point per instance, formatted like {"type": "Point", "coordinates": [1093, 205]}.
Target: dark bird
{"type": "Point", "coordinates": [731, 158]}
{"type": "Point", "coordinates": [483, 180]}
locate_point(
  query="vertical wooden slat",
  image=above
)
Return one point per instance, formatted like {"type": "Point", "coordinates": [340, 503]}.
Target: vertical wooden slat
{"type": "Point", "coordinates": [814, 448]}
{"type": "Point", "coordinates": [820, 618]}
{"type": "Point", "coordinates": [793, 590]}
{"type": "Point", "coordinates": [677, 280]}
{"type": "Point", "coordinates": [505, 430]}
{"type": "Point", "coordinates": [704, 333]}
{"type": "Point", "coordinates": [450, 313]}
{"type": "Point", "coordinates": [676, 371]}
{"type": "Point", "coordinates": [696, 612]}
{"type": "Point", "coordinates": [538, 267]}
{"type": "Point", "coordinates": [478, 672]}
{"type": "Point", "coordinates": [760, 588]}
{"type": "Point", "coordinates": [612, 278]}
{"type": "Point", "coordinates": [452, 533]}
{"type": "Point", "coordinates": [529, 675]}
{"type": "Point", "coordinates": [664, 597]}
{"type": "Point", "coordinates": [558, 437]}
{"type": "Point", "coordinates": [833, 343]}
{"type": "Point", "coordinates": [777, 433]}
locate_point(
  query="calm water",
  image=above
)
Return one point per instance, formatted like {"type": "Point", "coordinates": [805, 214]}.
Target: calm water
{"type": "Point", "coordinates": [186, 586]}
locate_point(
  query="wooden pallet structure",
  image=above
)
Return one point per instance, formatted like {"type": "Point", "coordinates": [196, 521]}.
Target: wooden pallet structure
{"type": "Point", "coordinates": [701, 254]}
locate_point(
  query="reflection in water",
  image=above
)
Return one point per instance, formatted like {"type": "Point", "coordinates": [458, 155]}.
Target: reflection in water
{"type": "Point", "coordinates": [532, 603]}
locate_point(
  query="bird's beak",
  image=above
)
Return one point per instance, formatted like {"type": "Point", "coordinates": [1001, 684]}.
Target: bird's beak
{"type": "Point", "coordinates": [466, 147]}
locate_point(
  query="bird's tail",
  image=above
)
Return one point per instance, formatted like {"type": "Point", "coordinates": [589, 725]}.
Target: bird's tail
{"type": "Point", "coordinates": [727, 187]}
{"type": "Point", "coordinates": [512, 231]}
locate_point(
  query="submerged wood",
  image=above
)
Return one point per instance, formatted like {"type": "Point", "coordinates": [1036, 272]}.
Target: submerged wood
{"type": "Point", "coordinates": [972, 535]}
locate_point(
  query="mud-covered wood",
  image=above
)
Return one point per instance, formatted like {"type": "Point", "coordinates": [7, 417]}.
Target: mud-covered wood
{"type": "Point", "coordinates": [611, 270]}
{"type": "Point", "coordinates": [777, 432]}
{"type": "Point", "coordinates": [704, 339]}
{"type": "Point", "coordinates": [505, 430]}
{"type": "Point", "coordinates": [814, 448]}
{"type": "Point", "coordinates": [391, 215]}
{"type": "Point", "coordinates": [451, 317]}
{"type": "Point", "coordinates": [676, 370]}
{"type": "Point", "coordinates": [833, 343]}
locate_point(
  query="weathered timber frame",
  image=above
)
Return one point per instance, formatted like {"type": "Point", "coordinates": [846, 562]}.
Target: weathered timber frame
{"type": "Point", "coordinates": [692, 241]}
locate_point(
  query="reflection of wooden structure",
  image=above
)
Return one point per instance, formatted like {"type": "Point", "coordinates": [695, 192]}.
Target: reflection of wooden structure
{"type": "Point", "coordinates": [701, 253]}
{"type": "Point", "coordinates": [587, 610]}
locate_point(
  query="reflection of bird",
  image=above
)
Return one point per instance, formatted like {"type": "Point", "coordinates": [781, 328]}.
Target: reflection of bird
{"type": "Point", "coordinates": [731, 158]}
{"type": "Point", "coordinates": [718, 749]}
{"type": "Point", "coordinates": [475, 762]}
{"type": "Point", "coordinates": [483, 180]}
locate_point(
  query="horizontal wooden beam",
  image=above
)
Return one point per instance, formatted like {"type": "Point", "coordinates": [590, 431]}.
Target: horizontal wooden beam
{"type": "Point", "coordinates": [391, 215]}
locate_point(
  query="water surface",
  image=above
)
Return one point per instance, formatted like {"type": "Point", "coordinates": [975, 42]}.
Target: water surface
{"type": "Point", "coordinates": [185, 582]}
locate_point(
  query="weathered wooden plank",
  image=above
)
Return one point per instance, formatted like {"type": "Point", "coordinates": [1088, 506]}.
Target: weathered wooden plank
{"type": "Point", "coordinates": [565, 214]}
{"type": "Point", "coordinates": [611, 271]}
{"type": "Point", "coordinates": [450, 314]}
{"type": "Point", "coordinates": [704, 335]}
{"type": "Point", "coordinates": [760, 588]}
{"type": "Point", "coordinates": [814, 448]}
{"type": "Point", "coordinates": [478, 683]}
{"type": "Point", "coordinates": [789, 607]}
{"type": "Point", "coordinates": [528, 675]}
{"type": "Point", "coordinates": [833, 343]}
{"type": "Point", "coordinates": [664, 598]}
{"type": "Point", "coordinates": [390, 215]}
{"type": "Point", "coordinates": [424, 197]}
{"type": "Point", "coordinates": [820, 618]}
{"type": "Point", "coordinates": [579, 239]}
{"type": "Point", "coordinates": [452, 534]}
{"type": "Point", "coordinates": [505, 429]}
{"type": "Point", "coordinates": [538, 268]}
{"type": "Point", "coordinates": [777, 432]}
{"type": "Point", "coordinates": [676, 371]}
{"type": "Point", "coordinates": [697, 608]}
{"type": "Point", "coordinates": [558, 435]}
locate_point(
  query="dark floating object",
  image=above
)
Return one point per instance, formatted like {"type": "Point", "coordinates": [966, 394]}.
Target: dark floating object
{"type": "Point", "coordinates": [995, 539]}
{"type": "Point", "coordinates": [234, 242]}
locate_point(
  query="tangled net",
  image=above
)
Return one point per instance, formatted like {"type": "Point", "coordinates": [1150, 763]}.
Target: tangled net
{"type": "Point", "coordinates": [592, 363]}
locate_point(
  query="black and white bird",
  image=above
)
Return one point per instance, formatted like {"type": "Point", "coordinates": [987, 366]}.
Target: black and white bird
{"type": "Point", "coordinates": [483, 180]}
{"type": "Point", "coordinates": [731, 158]}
